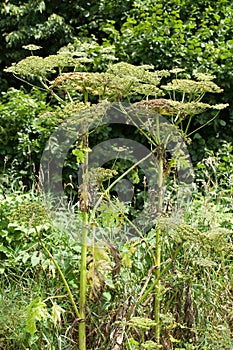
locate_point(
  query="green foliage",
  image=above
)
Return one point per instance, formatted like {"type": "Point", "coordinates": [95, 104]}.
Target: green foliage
{"type": "Point", "coordinates": [182, 34]}
{"type": "Point", "coordinates": [28, 310]}
{"type": "Point", "coordinates": [35, 311]}
{"type": "Point", "coordinates": [121, 81]}
{"type": "Point", "coordinates": [166, 286]}
{"type": "Point", "coordinates": [23, 132]}
{"type": "Point", "coordinates": [215, 173]}
{"type": "Point", "coordinates": [11, 319]}
{"type": "Point", "coordinates": [19, 241]}
{"type": "Point", "coordinates": [195, 36]}
{"type": "Point", "coordinates": [29, 22]}
{"type": "Point", "coordinates": [198, 255]}
{"type": "Point", "coordinates": [51, 25]}
{"type": "Point", "coordinates": [165, 34]}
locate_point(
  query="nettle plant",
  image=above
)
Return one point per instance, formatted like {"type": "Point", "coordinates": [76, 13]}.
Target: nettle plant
{"type": "Point", "coordinates": [86, 97]}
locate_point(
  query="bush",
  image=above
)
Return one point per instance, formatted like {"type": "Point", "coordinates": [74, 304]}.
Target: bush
{"type": "Point", "coordinates": [23, 132]}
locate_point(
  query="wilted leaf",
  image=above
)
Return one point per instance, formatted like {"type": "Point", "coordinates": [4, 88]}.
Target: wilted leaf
{"type": "Point", "coordinates": [56, 314]}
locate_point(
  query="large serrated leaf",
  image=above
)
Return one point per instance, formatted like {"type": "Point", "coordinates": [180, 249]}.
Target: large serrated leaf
{"type": "Point", "coordinates": [35, 311]}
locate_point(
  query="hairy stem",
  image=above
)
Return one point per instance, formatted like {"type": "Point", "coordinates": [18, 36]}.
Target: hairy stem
{"type": "Point", "coordinates": [83, 284]}
{"type": "Point", "coordinates": [83, 267]}
{"type": "Point", "coordinates": [157, 289]}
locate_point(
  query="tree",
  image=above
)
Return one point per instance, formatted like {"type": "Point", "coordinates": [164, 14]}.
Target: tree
{"type": "Point", "coordinates": [50, 24]}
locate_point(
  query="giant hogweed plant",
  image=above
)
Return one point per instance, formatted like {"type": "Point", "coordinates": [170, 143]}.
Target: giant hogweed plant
{"type": "Point", "coordinates": [66, 78]}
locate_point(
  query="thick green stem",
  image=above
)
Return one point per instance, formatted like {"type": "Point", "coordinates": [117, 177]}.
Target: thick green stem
{"type": "Point", "coordinates": [157, 286]}
{"type": "Point", "coordinates": [83, 268]}
{"type": "Point", "coordinates": [83, 284]}
{"type": "Point", "coordinates": [158, 235]}
{"type": "Point", "coordinates": [85, 96]}
{"type": "Point", "coordinates": [188, 124]}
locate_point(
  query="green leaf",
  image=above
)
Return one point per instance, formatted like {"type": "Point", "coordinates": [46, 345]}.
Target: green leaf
{"type": "Point", "coordinates": [35, 311]}
{"type": "Point", "coordinates": [35, 259]}
{"type": "Point", "coordinates": [100, 254]}
{"type": "Point", "coordinates": [26, 256]}
{"type": "Point", "coordinates": [222, 122]}
{"type": "Point", "coordinates": [80, 155]}
{"type": "Point", "coordinates": [107, 296]}
{"type": "Point", "coordinates": [135, 177]}
{"type": "Point", "coordinates": [4, 249]}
